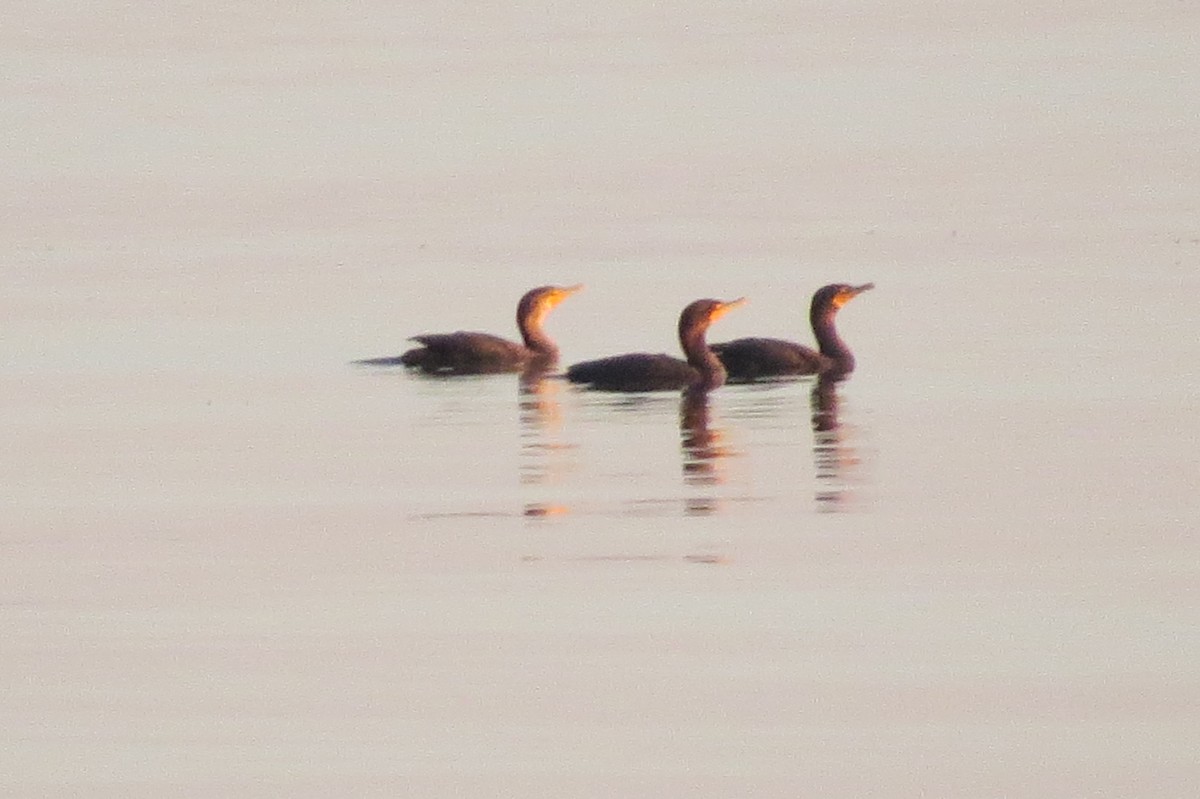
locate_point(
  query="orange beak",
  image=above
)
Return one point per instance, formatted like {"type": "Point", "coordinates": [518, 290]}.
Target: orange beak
{"type": "Point", "coordinates": [561, 293]}
{"type": "Point", "coordinates": [845, 295]}
{"type": "Point", "coordinates": [726, 307]}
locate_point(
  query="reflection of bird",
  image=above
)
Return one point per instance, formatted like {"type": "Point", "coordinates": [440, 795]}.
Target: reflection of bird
{"type": "Point", "coordinates": [541, 423]}
{"type": "Point", "coordinates": [824, 403]}
{"type": "Point", "coordinates": [751, 358]}
{"type": "Point", "coordinates": [543, 453]}
{"type": "Point", "coordinates": [646, 372]}
{"type": "Point", "coordinates": [465, 353]}
{"type": "Point", "coordinates": [834, 451]}
{"type": "Point", "coordinates": [700, 442]}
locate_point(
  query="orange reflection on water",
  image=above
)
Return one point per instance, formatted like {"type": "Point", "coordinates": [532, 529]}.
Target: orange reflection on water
{"type": "Point", "coordinates": [540, 510]}
{"type": "Point", "coordinates": [543, 451]}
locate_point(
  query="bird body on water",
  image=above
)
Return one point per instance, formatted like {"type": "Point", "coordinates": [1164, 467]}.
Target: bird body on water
{"type": "Point", "coordinates": [469, 352]}
{"type": "Point", "coordinates": [701, 372]}
{"type": "Point", "coordinates": [747, 359]}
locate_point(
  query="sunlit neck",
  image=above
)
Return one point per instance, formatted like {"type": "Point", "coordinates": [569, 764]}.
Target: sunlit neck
{"type": "Point", "coordinates": [703, 360]}
{"type": "Point", "coordinates": [535, 337]}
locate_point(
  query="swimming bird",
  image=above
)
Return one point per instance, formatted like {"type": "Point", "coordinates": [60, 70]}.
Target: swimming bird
{"type": "Point", "coordinates": [701, 371]}
{"type": "Point", "coordinates": [748, 359]}
{"type": "Point", "coordinates": [469, 353]}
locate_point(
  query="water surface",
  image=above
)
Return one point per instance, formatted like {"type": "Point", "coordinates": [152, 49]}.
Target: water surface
{"type": "Point", "coordinates": [234, 563]}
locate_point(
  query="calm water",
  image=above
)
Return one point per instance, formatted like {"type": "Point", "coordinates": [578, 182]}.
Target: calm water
{"type": "Point", "coordinates": [235, 564]}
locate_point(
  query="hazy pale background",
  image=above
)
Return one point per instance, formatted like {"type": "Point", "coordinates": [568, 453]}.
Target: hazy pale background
{"type": "Point", "coordinates": [231, 564]}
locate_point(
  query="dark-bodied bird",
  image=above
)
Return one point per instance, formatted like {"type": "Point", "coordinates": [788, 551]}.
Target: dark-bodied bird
{"type": "Point", "coordinates": [470, 353]}
{"type": "Point", "coordinates": [701, 371]}
{"type": "Point", "coordinates": [748, 359]}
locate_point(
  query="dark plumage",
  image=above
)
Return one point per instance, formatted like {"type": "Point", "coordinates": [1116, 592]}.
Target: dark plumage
{"type": "Point", "coordinates": [748, 359]}
{"type": "Point", "coordinates": [661, 372]}
{"type": "Point", "coordinates": [468, 353]}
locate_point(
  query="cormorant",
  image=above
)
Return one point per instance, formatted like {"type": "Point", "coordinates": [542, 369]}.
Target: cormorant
{"type": "Point", "coordinates": [469, 353]}
{"type": "Point", "coordinates": [701, 371]}
{"type": "Point", "coordinates": [748, 359]}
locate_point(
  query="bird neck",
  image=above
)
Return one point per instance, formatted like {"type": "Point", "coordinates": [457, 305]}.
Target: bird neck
{"type": "Point", "coordinates": [702, 359]}
{"type": "Point", "coordinates": [829, 342]}
{"type": "Point", "coordinates": [534, 337]}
